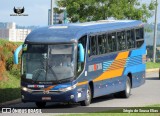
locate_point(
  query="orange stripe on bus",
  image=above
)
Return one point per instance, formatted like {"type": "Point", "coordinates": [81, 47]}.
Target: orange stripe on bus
{"type": "Point", "coordinates": [122, 55]}
{"type": "Point", "coordinates": [115, 69]}
{"type": "Point", "coordinates": [49, 88]}
{"type": "Point", "coordinates": [82, 83]}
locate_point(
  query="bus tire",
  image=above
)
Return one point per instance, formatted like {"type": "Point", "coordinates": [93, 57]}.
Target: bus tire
{"type": "Point", "coordinates": [87, 101]}
{"type": "Point", "coordinates": [40, 104]}
{"type": "Point", "coordinates": [126, 93]}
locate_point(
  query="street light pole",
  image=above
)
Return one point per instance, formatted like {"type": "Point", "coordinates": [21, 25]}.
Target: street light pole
{"type": "Point", "coordinates": [51, 13]}
{"type": "Point", "coordinates": [155, 35]}
{"type": "Point", "coordinates": [65, 16]}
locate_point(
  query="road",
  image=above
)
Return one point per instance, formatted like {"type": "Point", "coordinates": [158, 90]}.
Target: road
{"type": "Point", "coordinates": [147, 94]}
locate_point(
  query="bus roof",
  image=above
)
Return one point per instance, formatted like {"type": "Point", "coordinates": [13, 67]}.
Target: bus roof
{"type": "Point", "coordinates": [63, 33]}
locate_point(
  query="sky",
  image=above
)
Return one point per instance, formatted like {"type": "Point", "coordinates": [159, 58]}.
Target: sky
{"type": "Point", "coordinates": [37, 11]}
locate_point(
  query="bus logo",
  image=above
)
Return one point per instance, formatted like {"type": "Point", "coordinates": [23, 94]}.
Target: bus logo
{"type": "Point", "coordinates": [46, 91]}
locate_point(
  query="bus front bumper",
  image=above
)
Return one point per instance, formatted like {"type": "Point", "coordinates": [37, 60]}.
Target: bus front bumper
{"type": "Point", "coordinates": [69, 96]}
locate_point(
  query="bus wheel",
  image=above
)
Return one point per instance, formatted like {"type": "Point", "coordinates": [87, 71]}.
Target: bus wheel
{"type": "Point", "coordinates": [87, 101]}
{"type": "Point", "coordinates": [126, 93]}
{"type": "Point", "coordinates": [40, 104]}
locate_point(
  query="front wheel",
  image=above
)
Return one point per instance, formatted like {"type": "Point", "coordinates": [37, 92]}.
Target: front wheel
{"type": "Point", "coordinates": [87, 101]}
{"type": "Point", "coordinates": [40, 104]}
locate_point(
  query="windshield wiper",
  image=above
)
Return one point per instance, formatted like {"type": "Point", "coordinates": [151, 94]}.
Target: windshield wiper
{"type": "Point", "coordinates": [65, 80]}
{"type": "Point", "coordinates": [54, 74]}
{"type": "Point", "coordinates": [39, 71]}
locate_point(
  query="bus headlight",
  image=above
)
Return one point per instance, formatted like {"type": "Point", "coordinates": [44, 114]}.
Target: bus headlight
{"type": "Point", "coordinates": [68, 88]}
{"type": "Point", "coordinates": [26, 89]}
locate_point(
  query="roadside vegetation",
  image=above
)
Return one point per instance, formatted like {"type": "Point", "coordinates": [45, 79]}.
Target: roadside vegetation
{"type": "Point", "coordinates": [151, 65]}
{"type": "Point", "coordinates": [9, 72]}
{"type": "Point", "coordinates": [116, 112]}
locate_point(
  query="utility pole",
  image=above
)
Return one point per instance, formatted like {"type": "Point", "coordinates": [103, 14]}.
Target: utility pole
{"type": "Point", "coordinates": [51, 13]}
{"type": "Point", "coordinates": [155, 35]}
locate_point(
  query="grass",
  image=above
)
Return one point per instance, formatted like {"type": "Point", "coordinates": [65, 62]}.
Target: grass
{"type": "Point", "coordinates": [151, 65]}
{"type": "Point", "coordinates": [110, 113]}
{"type": "Point", "coordinates": [9, 84]}
{"type": "Point", "coordinates": [115, 114]}
{"type": "Point", "coordinates": [9, 88]}
{"type": "Point", "coordinates": [154, 105]}
{"type": "Point", "coordinates": [4, 41]}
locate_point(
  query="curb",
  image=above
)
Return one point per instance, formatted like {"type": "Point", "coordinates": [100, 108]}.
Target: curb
{"type": "Point", "coordinates": [10, 102]}
{"type": "Point", "coordinates": [153, 70]}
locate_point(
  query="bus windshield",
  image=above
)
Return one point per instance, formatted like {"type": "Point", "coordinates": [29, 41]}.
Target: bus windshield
{"type": "Point", "coordinates": [48, 62]}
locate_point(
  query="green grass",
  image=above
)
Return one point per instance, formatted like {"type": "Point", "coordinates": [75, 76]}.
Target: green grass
{"type": "Point", "coordinates": [9, 84]}
{"type": "Point", "coordinates": [3, 42]}
{"type": "Point", "coordinates": [115, 114]}
{"type": "Point", "coordinates": [154, 105]}
{"type": "Point", "coordinates": [151, 65]}
{"type": "Point", "coordinates": [9, 88]}
{"type": "Point", "coordinates": [110, 113]}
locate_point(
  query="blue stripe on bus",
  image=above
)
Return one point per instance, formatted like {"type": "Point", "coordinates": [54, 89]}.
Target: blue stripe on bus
{"type": "Point", "coordinates": [135, 69]}
{"type": "Point", "coordinates": [133, 61]}
{"type": "Point", "coordinates": [106, 65]}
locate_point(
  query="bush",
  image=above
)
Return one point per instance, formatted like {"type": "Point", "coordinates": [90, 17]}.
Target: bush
{"type": "Point", "coordinates": [12, 68]}
{"type": "Point", "coordinates": [6, 57]}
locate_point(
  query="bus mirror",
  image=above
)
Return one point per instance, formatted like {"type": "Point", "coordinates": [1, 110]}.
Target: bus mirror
{"type": "Point", "coordinates": [81, 53]}
{"type": "Point", "coordinates": [16, 54]}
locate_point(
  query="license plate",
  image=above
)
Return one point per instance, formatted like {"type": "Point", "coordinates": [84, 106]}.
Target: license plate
{"type": "Point", "coordinates": [46, 98]}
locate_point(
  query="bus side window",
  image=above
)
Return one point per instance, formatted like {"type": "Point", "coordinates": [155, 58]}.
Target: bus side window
{"type": "Point", "coordinates": [114, 42]}
{"type": "Point", "coordinates": [121, 40]}
{"type": "Point", "coordinates": [83, 41]}
{"type": "Point", "coordinates": [139, 33]}
{"type": "Point", "coordinates": [93, 45]}
{"type": "Point", "coordinates": [130, 39]}
{"type": "Point", "coordinates": [102, 42]}
{"type": "Point", "coordinates": [139, 37]}
{"type": "Point", "coordinates": [80, 65]}
{"type": "Point", "coordinates": [109, 48]}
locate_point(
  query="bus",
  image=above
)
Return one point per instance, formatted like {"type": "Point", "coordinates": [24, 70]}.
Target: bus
{"type": "Point", "coordinates": [75, 63]}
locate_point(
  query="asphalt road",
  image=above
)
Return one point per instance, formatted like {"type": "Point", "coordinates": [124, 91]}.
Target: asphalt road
{"type": "Point", "coordinates": [147, 94]}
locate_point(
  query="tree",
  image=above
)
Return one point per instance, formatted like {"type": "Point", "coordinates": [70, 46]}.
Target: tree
{"type": "Point", "coordinates": [92, 10]}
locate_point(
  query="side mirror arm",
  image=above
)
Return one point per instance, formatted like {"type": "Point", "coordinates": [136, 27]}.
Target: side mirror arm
{"type": "Point", "coordinates": [81, 53]}
{"type": "Point", "coordinates": [16, 54]}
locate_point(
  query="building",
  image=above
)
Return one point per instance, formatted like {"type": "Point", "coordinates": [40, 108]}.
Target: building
{"type": "Point", "coordinates": [9, 32]}
{"type": "Point", "coordinates": [57, 18]}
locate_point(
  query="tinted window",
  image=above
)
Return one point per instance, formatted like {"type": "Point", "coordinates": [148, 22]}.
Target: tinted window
{"type": "Point", "coordinates": [139, 43]}
{"type": "Point", "coordinates": [93, 45]}
{"type": "Point", "coordinates": [139, 37]}
{"type": "Point", "coordinates": [121, 40]}
{"type": "Point", "coordinates": [102, 42]}
{"type": "Point", "coordinates": [130, 39]}
{"type": "Point", "coordinates": [112, 44]}
{"type": "Point", "coordinates": [80, 65]}
{"type": "Point", "coordinates": [139, 33]}
{"type": "Point", "coordinates": [83, 41]}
